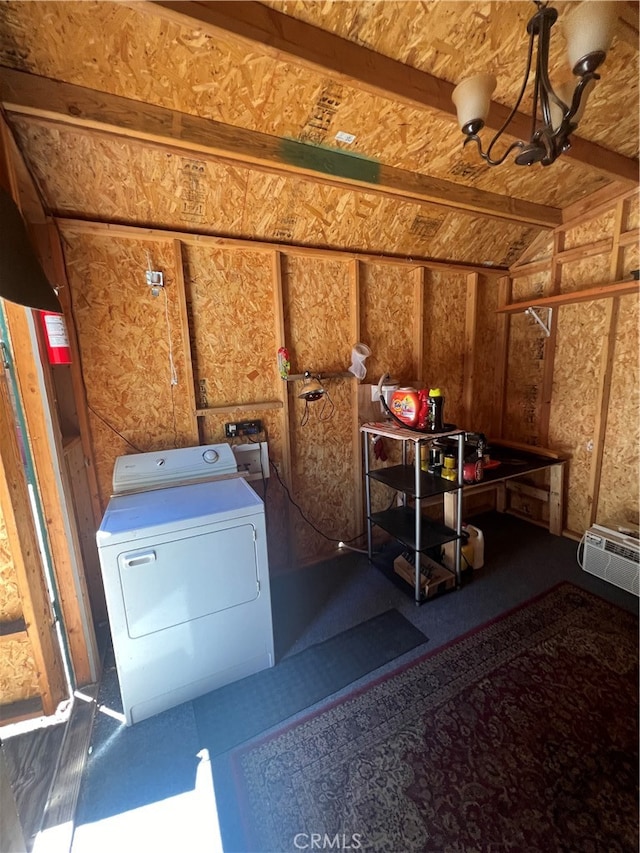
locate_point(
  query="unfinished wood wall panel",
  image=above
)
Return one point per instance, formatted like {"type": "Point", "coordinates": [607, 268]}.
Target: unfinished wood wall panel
{"type": "Point", "coordinates": [633, 211]}
{"type": "Point", "coordinates": [525, 373]}
{"type": "Point", "coordinates": [230, 298]}
{"type": "Point", "coordinates": [18, 671]}
{"type": "Point", "coordinates": [481, 410]}
{"type": "Point", "coordinates": [581, 329]}
{"type": "Point", "coordinates": [109, 179]}
{"type": "Point", "coordinates": [323, 473]}
{"type": "Point", "coordinates": [444, 326]}
{"type": "Point", "coordinates": [316, 314]}
{"type": "Point", "coordinates": [317, 326]}
{"type": "Point", "coordinates": [590, 231]}
{"type": "Point", "coordinates": [126, 344]}
{"type": "Point", "coordinates": [576, 422]}
{"type": "Point", "coordinates": [630, 260]}
{"type": "Point", "coordinates": [37, 651]}
{"type": "Point", "coordinates": [10, 604]}
{"type": "Point", "coordinates": [80, 500]}
{"type": "Point", "coordinates": [532, 286]}
{"type": "Point", "coordinates": [579, 275]}
{"type": "Point", "coordinates": [386, 321]}
{"type": "Point", "coordinates": [618, 498]}
{"type": "Point", "coordinates": [540, 249]}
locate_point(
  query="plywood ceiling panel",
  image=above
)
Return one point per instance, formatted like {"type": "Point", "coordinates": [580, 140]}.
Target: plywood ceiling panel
{"type": "Point", "coordinates": [453, 40]}
{"type": "Point", "coordinates": [140, 52]}
{"type": "Point", "coordinates": [113, 180]}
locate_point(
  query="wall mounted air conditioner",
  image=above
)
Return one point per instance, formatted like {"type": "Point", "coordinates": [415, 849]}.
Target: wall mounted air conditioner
{"type": "Point", "coordinates": [613, 555]}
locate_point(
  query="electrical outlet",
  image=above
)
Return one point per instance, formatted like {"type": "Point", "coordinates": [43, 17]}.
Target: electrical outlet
{"type": "Point", "coordinates": [252, 459]}
{"type": "Point", "coordinates": [239, 428]}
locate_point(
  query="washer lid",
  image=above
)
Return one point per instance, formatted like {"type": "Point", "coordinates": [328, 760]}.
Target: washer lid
{"type": "Point", "coordinates": [175, 509]}
{"type": "Point", "coordinates": [162, 467]}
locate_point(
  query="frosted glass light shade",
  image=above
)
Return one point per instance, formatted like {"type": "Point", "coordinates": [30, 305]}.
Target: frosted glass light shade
{"type": "Point", "coordinates": [565, 92]}
{"type": "Point", "coordinates": [472, 98]}
{"type": "Point", "coordinates": [589, 30]}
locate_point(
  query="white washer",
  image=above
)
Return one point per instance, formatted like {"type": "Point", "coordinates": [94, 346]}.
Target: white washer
{"type": "Point", "coordinates": [183, 553]}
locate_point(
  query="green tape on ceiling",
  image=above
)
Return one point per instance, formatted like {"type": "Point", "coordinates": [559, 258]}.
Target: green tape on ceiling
{"type": "Point", "coordinates": [331, 161]}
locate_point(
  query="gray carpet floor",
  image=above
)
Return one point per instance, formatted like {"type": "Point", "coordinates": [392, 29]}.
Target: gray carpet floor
{"type": "Point", "coordinates": [140, 789]}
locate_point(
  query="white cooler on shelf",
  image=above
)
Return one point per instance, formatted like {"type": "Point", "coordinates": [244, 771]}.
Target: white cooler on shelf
{"type": "Point", "coordinates": [183, 553]}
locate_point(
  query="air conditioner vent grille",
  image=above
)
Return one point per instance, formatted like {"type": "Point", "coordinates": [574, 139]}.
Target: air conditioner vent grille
{"type": "Point", "coordinates": [621, 551]}
{"type": "Point", "coordinates": [612, 560]}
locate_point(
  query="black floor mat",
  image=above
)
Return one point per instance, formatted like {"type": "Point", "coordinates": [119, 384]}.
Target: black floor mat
{"type": "Point", "coordinates": [232, 714]}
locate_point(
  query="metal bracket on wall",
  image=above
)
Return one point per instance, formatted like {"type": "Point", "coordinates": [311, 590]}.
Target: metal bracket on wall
{"type": "Point", "coordinates": [546, 326]}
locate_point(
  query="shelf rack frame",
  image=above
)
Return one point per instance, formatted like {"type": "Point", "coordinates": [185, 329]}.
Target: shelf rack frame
{"type": "Point", "coordinates": [409, 527]}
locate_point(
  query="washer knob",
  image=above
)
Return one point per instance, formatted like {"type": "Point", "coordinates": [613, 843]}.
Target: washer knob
{"type": "Point", "coordinates": [210, 456]}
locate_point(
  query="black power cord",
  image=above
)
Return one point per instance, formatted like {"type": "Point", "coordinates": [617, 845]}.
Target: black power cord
{"type": "Point", "coordinates": [304, 517]}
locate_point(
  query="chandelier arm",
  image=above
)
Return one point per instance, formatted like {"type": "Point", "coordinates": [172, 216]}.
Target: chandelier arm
{"type": "Point", "coordinates": [473, 137]}
{"type": "Point", "coordinates": [536, 85]}
{"type": "Point", "coordinates": [578, 92]}
{"type": "Point", "coordinates": [514, 110]}
{"type": "Point", "coordinates": [557, 141]}
{"type": "Point", "coordinates": [544, 89]}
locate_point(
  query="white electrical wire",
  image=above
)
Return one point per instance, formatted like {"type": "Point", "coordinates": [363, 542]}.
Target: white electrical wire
{"type": "Point", "coordinates": [173, 375]}
{"type": "Point", "coordinates": [172, 368]}
{"type": "Point", "coordinates": [342, 545]}
{"type": "Point", "coordinates": [581, 545]}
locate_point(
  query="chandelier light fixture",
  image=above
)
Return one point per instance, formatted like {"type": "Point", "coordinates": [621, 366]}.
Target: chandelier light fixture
{"type": "Point", "coordinates": [555, 113]}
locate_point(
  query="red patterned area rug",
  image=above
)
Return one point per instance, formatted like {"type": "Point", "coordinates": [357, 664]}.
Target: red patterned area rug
{"type": "Point", "coordinates": [520, 736]}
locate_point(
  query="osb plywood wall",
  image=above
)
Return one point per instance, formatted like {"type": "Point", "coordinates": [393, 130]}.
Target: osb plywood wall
{"type": "Point", "coordinates": [387, 311]}
{"type": "Point", "coordinates": [154, 366]}
{"type": "Point", "coordinates": [317, 321]}
{"type": "Point", "coordinates": [18, 673]}
{"type": "Point", "coordinates": [90, 174]}
{"type": "Point", "coordinates": [593, 396]}
{"type": "Point", "coordinates": [525, 366]}
{"type": "Point", "coordinates": [10, 605]}
{"type": "Point", "coordinates": [618, 498]}
{"type": "Point", "coordinates": [487, 362]}
{"type": "Point", "coordinates": [579, 344]}
{"type": "Point", "coordinates": [443, 359]}
{"type": "Point", "coordinates": [153, 369]}
{"type": "Point", "coordinates": [131, 345]}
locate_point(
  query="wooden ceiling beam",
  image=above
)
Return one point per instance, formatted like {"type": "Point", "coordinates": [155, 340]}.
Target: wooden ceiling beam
{"type": "Point", "coordinates": [40, 97]}
{"type": "Point", "coordinates": [628, 22]}
{"type": "Point", "coordinates": [287, 38]}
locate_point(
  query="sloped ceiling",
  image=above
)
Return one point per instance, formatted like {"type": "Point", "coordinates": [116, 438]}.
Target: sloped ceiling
{"type": "Point", "coordinates": [189, 116]}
